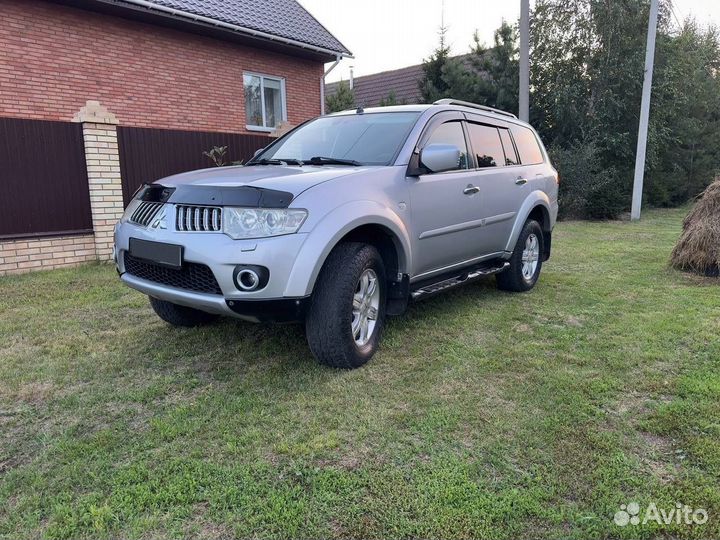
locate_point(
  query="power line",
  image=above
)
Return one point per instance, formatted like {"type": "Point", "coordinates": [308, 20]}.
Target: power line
{"type": "Point", "coordinates": [672, 9]}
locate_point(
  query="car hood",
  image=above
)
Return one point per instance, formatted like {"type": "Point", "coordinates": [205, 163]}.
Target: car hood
{"type": "Point", "coordinates": [288, 178]}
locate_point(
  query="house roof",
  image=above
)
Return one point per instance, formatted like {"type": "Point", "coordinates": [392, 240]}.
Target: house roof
{"type": "Point", "coordinates": [370, 89]}
{"type": "Point", "coordinates": [283, 21]}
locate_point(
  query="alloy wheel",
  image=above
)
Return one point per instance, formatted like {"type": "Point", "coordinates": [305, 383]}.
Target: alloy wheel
{"type": "Point", "coordinates": [366, 305]}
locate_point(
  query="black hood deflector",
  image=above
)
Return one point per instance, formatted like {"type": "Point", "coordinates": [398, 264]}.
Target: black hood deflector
{"type": "Point", "coordinates": [244, 196]}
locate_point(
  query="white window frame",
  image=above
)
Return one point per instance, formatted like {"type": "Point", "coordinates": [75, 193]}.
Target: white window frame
{"type": "Point", "coordinates": [283, 99]}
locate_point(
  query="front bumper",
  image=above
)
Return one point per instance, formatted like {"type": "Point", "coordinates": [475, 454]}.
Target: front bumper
{"type": "Point", "coordinates": [222, 255]}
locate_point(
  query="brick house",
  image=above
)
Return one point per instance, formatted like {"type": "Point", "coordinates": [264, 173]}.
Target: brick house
{"type": "Point", "coordinates": [229, 66]}
{"type": "Point", "coordinates": [184, 64]}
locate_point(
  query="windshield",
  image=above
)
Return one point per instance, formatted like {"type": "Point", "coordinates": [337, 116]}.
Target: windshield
{"type": "Point", "coordinates": [367, 139]}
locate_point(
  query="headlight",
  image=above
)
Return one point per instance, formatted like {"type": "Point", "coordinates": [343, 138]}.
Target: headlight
{"type": "Point", "coordinates": [259, 222]}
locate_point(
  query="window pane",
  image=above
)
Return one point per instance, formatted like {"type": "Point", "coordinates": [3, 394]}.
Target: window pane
{"type": "Point", "coordinates": [487, 146]}
{"type": "Point", "coordinates": [253, 103]}
{"type": "Point", "coordinates": [451, 133]}
{"type": "Point", "coordinates": [510, 154]}
{"type": "Point", "coordinates": [528, 148]}
{"type": "Point", "coordinates": [273, 102]}
{"type": "Point", "coordinates": [371, 139]}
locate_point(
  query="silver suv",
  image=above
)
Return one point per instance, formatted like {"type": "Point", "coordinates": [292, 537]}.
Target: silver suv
{"type": "Point", "coordinates": [343, 221]}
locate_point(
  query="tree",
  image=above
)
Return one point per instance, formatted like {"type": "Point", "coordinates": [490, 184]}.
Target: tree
{"type": "Point", "coordinates": [343, 98]}
{"type": "Point", "coordinates": [432, 85]}
{"type": "Point", "coordinates": [498, 69]}
{"type": "Point", "coordinates": [686, 138]}
{"type": "Point", "coordinates": [487, 76]}
{"type": "Point", "coordinates": [389, 100]}
{"type": "Point", "coordinates": [587, 68]}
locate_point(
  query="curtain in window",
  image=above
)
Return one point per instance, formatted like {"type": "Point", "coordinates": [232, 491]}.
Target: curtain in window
{"type": "Point", "coordinates": [273, 103]}
{"type": "Point", "coordinates": [253, 100]}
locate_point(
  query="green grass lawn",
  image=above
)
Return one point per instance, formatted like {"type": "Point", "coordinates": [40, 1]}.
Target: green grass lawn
{"type": "Point", "coordinates": [484, 415]}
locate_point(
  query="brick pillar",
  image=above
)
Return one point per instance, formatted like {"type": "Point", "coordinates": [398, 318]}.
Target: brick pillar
{"type": "Point", "coordinates": [103, 170]}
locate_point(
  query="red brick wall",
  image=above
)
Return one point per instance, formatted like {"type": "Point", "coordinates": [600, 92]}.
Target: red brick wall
{"type": "Point", "coordinates": [54, 58]}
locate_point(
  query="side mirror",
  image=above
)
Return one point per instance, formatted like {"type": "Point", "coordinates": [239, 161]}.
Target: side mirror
{"type": "Point", "coordinates": [440, 157]}
{"type": "Point", "coordinates": [257, 152]}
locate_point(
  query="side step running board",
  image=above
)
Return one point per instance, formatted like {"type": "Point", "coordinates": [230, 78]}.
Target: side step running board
{"type": "Point", "coordinates": [459, 279]}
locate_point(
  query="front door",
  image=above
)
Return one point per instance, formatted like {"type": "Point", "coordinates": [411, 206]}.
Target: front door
{"type": "Point", "coordinates": [445, 207]}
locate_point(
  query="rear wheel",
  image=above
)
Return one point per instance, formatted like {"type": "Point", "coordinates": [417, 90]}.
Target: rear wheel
{"type": "Point", "coordinates": [180, 315]}
{"type": "Point", "coordinates": [525, 262]}
{"type": "Point", "coordinates": [347, 314]}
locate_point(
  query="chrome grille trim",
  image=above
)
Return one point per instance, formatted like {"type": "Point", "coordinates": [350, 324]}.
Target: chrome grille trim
{"type": "Point", "coordinates": [198, 218]}
{"type": "Point", "coordinates": [145, 213]}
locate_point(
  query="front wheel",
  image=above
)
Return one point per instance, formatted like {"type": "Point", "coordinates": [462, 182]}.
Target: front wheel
{"type": "Point", "coordinates": [525, 261]}
{"type": "Point", "coordinates": [347, 313]}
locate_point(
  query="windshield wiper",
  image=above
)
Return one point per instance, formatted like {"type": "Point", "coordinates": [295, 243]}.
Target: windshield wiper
{"type": "Point", "coordinates": [321, 160]}
{"type": "Point", "coordinates": [264, 161]}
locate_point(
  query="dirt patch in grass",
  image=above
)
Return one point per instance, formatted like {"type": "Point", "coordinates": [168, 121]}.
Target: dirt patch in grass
{"type": "Point", "coordinates": [655, 453]}
{"type": "Point", "coordinates": [36, 392]}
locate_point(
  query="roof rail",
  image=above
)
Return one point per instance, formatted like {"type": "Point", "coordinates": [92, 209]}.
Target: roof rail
{"type": "Point", "coordinates": [450, 101]}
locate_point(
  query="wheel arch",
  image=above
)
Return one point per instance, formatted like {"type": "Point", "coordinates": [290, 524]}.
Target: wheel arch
{"type": "Point", "coordinates": [366, 221]}
{"type": "Point", "coordinates": [536, 206]}
{"type": "Point", "coordinates": [385, 241]}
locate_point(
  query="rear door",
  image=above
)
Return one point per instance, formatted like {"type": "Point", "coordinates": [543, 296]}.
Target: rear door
{"type": "Point", "coordinates": [500, 179]}
{"type": "Point", "coordinates": [534, 168]}
{"type": "Point", "coordinates": [445, 212]}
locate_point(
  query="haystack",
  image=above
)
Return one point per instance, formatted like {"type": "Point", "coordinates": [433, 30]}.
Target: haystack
{"type": "Point", "coordinates": [698, 249]}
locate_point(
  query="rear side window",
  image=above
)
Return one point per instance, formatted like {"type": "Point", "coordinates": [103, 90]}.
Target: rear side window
{"type": "Point", "coordinates": [511, 157]}
{"type": "Point", "coordinates": [451, 133]}
{"type": "Point", "coordinates": [486, 144]}
{"type": "Point", "coordinates": [527, 145]}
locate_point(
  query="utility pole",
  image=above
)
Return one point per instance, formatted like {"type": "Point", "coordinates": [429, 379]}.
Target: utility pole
{"type": "Point", "coordinates": [524, 94]}
{"type": "Point", "coordinates": [644, 113]}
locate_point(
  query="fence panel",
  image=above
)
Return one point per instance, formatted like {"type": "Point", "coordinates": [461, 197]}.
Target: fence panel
{"type": "Point", "coordinates": [43, 179]}
{"type": "Point", "coordinates": [148, 154]}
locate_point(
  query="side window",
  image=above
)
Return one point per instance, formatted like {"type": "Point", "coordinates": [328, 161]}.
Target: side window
{"type": "Point", "coordinates": [527, 145]}
{"type": "Point", "coordinates": [451, 133]}
{"type": "Point", "coordinates": [486, 145]}
{"type": "Point", "coordinates": [511, 157]}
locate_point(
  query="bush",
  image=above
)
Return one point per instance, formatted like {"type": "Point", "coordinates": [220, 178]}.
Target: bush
{"type": "Point", "coordinates": [587, 189]}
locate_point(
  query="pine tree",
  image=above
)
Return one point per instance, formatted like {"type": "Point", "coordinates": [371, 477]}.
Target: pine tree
{"type": "Point", "coordinates": [432, 85]}
{"type": "Point", "coordinates": [343, 98]}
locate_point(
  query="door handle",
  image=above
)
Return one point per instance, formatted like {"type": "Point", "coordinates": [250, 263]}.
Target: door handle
{"type": "Point", "coordinates": [471, 190]}
{"type": "Point", "coordinates": [521, 181]}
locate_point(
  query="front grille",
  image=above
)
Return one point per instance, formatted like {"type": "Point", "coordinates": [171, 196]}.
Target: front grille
{"type": "Point", "coordinates": [145, 213]}
{"type": "Point", "coordinates": [198, 218]}
{"type": "Point", "coordinates": [192, 276]}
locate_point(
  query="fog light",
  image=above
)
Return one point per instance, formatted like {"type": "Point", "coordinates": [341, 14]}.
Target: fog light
{"type": "Point", "coordinates": [250, 277]}
{"type": "Point", "coordinates": [248, 280]}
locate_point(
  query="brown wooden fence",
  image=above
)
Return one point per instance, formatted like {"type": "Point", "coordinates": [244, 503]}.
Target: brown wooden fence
{"type": "Point", "coordinates": [43, 179]}
{"type": "Point", "coordinates": [148, 154]}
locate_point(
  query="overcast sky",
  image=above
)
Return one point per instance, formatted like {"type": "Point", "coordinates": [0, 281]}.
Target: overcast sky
{"type": "Point", "coordinates": [389, 34]}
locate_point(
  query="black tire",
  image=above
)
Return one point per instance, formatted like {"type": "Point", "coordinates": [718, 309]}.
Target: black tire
{"type": "Point", "coordinates": [180, 315]}
{"type": "Point", "coordinates": [513, 279]}
{"type": "Point", "coordinates": [328, 325]}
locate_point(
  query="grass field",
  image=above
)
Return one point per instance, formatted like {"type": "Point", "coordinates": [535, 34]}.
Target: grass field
{"type": "Point", "coordinates": [484, 415]}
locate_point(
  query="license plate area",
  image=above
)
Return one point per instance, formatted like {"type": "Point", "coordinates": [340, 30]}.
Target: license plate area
{"type": "Point", "coordinates": [169, 255]}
